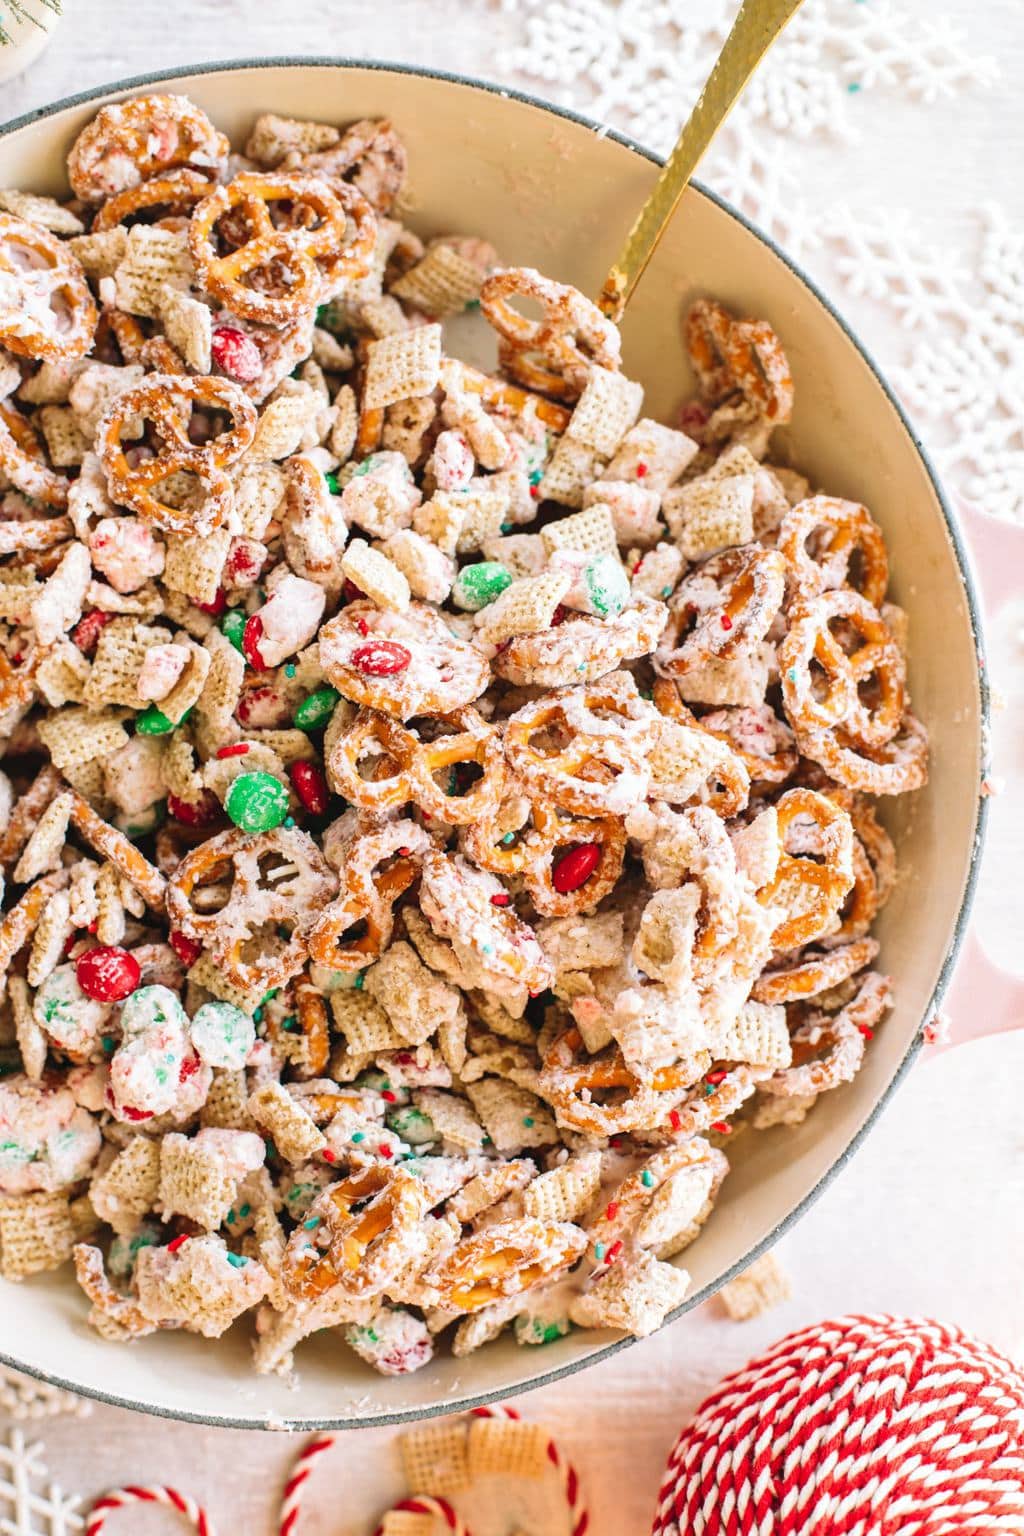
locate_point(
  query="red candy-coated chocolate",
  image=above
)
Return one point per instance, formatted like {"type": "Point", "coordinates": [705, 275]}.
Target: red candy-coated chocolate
{"type": "Point", "coordinates": [575, 867]}
{"type": "Point", "coordinates": [310, 785]}
{"type": "Point", "coordinates": [205, 810]}
{"type": "Point", "coordinates": [107, 973]}
{"type": "Point", "coordinates": [217, 606]}
{"type": "Point", "coordinates": [244, 563]}
{"type": "Point", "coordinates": [381, 658]}
{"type": "Point", "coordinates": [235, 749]}
{"type": "Point", "coordinates": [179, 1242]}
{"type": "Point", "coordinates": [87, 631]}
{"type": "Point", "coordinates": [236, 354]}
{"type": "Point", "coordinates": [186, 949]}
{"type": "Point", "coordinates": [251, 637]}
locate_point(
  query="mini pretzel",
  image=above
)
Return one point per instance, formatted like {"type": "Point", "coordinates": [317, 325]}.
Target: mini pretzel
{"type": "Point", "coordinates": [131, 140]}
{"type": "Point", "coordinates": [28, 808]}
{"type": "Point", "coordinates": [811, 890]}
{"type": "Point", "coordinates": [814, 973]}
{"type": "Point", "coordinates": [582, 649]}
{"type": "Point", "coordinates": [358, 1235]}
{"type": "Point", "coordinates": [745, 355]}
{"type": "Point", "coordinates": [441, 675]}
{"type": "Point", "coordinates": [277, 877]}
{"type": "Point", "coordinates": [369, 155]}
{"type": "Point", "coordinates": [167, 400]}
{"type": "Point", "coordinates": [726, 605]}
{"type": "Point", "coordinates": [378, 863]}
{"type": "Point", "coordinates": [553, 355]}
{"type": "Point", "coordinates": [829, 1048]}
{"type": "Point", "coordinates": [729, 787]}
{"type": "Point", "coordinates": [570, 1082]}
{"type": "Point", "coordinates": [307, 261]}
{"type": "Point", "coordinates": [599, 738]}
{"type": "Point", "coordinates": [832, 692]}
{"type": "Point", "coordinates": [629, 1202]}
{"type": "Point", "coordinates": [18, 925]}
{"type": "Point", "coordinates": [119, 850]}
{"type": "Point", "coordinates": [409, 767]}
{"type": "Point", "coordinates": [505, 1260]}
{"type": "Point", "coordinates": [177, 192]}
{"type": "Point", "coordinates": [23, 462]}
{"type": "Point", "coordinates": [712, 1104]}
{"type": "Point", "coordinates": [502, 396]}
{"type": "Point", "coordinates": [46, 308]}
{"type": "Point", "coordinates": [836, 531]}
{"type": "Point", "coordinates": [565, 832]}
{"type": "Point", "coordinates": [314, 1028]}
{"type": "Point", "coordinates": [110, 1303]}
{"type": "Point", "coordinates": [894, 768]}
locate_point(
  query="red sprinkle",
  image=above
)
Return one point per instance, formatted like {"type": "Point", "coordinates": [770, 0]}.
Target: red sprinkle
{"type": "Point", "coordinates": [131, 1113]}
{"type": "Point", "coordinates": [674, 1120]}
{"type": "Point", "coordinates": [107, 973]}
{"type": "Point", "coordinates": [87, 631]}
{"type": "Point", "coordinates": [252, 634]}
{"type": "Point", "coordinates": [205, 810]}
{"type": "Point", "coordinates": [328, 1156]}
{"type": "Point", "coordinates": [717, 1076]}
{"type": "Point", "coordinates": [217, 606]}
{"type": "Point", "coordinates": [613, 1252]}
{"type": "Point", "coordinates": [725, 621]}
{"type": "Point", "coordinates": [559, 616]}
{"type": "Point", "coordinates": [189, 1067]}
{"type": "Point", "coordinates": [381, 658]}
{"type": "Point", "coordinates": [236, 354]}
{"type": "Point", "coordinates": [575, 867]}
{"type": "Point", "coordinates": [17, 659]}
{"type": "Point", "coordinates": [500, 899]}
{"type": "Point", "coordinates": [186, 949]}
{"type": "Point", "coordinates": [384, 1150]}
{"type": "Point", "coordinates": [179, 1242]}
{"type": "Point", "coordinates": [237, 749]}
{"type": "Point", "coordinates": [867, 1032]}
{"type": "Point", "coordinates": [612, 1210]}
{"type": "Point", "coordinates": [310, 785]}
{"type": "Point", "coordinates": [404, 1058]}
{"type": "Point", "coordinates": [388, 1096]}
{"type": "Point", "coordinates": [721, 1127]}
{"type": "Point", "coordinates": [641, 470]}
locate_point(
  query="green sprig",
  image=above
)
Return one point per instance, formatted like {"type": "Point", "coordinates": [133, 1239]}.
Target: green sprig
{"type": "Point", "coordinates": [15, 9]}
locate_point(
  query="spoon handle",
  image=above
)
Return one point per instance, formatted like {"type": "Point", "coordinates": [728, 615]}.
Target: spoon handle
{"type": "Point", "coordinates": [757, 25]}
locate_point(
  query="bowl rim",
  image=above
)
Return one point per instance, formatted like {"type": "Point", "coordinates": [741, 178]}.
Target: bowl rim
{"type": "Point", "coordinates": [963, 560]}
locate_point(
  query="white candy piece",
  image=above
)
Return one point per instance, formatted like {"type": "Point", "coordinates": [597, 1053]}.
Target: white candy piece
{"type": "Point", "coordinates": [161, 667]}
{"type": "Point", "coordinates": [222, 1035]}
{"type": "Point", "coordinates": [126, 550]}
{"type": "Point", "coordinates": [290, 618]}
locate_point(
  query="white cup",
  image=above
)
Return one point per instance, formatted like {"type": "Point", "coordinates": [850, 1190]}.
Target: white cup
{"type": "Point", "coordinates": [27, 39]}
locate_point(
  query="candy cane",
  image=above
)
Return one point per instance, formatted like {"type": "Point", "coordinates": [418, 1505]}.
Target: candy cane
{"type": "Point", "coordinates": [291, 1502]}
{"type": "Point", "coordinates": [578, 1512]}
{"type": "Point", "coordinates": [120, 1498]}
{"type": "Point", "coordinates": [424, 1505]}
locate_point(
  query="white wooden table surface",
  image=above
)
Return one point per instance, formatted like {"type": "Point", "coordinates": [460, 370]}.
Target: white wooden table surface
{"type": "Point", "coordinates": [919, 1222]}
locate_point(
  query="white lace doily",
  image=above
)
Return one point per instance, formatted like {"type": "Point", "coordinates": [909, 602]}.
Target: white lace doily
{"type": "Point", "coordinates": [639, 64]}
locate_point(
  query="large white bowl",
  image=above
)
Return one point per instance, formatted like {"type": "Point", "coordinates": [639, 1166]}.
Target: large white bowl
{"type": "Point", "coordinates": [553, 191]}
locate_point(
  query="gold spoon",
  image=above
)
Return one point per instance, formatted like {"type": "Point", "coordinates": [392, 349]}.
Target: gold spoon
{"type": "Point", "coordinates": [756, 27]}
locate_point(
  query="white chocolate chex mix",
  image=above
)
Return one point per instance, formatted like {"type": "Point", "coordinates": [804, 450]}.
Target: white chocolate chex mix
{"type": "Point", "coordinates": [427, 823]}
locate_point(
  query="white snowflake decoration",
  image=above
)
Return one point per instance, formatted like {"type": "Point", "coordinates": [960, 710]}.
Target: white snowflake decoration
{"type": "Point", "coordinates": [30, 1503]}
{"type": "Point", "coordinates": [22, 1398]}
{"type": "Point", "coordinates": [638, 65]}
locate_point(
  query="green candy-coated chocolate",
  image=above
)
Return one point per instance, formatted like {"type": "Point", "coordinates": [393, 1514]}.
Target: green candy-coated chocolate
{"type": "Point", "coordinates": [477, 585]}
{"type": "Point", "coordinates": [317, 709]}
{"type": "Point", "coordinates": [231, 626]}
{"type": "Point", "coordinates": [153, 722]}
{"type": "Point", "coordinates": [607, 586]}
{"type": "Point", "coordinates": [411, 1124]}
{"type": "Point", "coordinates": [257, 802]}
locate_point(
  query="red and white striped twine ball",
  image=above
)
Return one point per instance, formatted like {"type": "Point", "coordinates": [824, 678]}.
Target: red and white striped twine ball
{"type": "Point", "coordinates": [863, 1426]}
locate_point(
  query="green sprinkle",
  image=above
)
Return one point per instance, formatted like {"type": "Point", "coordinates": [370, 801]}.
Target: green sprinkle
{"type": "Point", "coordinates": [333, 484]}
{"type": "Point", "coordinates": [268, 997]}
{"type": "Point", "coordinates": [536, 477]}
{"type": "Point", "coordinates": [244, 1210]}
{"type": "Point", "coordinates": [257, 802]}
{"type": "Point", "coordinates": [257, 1015]}
{"type": "Point", "coordinates": [231, 1218]}
{"type": "Point", "coordinates": [357, 1137]}
{"type": "Point", "coordinates": [108, 1044]}
{"type": "Point", "coordinates": [317, 709]}
{"type": "Point", "coordinates": [488, 949]}
{"type": "Point", "coordinates": [231, 626]}
{"type": "Point", "coordinates": [508, 839]}
{"type": "Point", "coordinates": [472, 304]}
{"type": "Point", "coordinates": [291, 1022]}
{"type": "Point", "coordinates": [527, 1119]}
{"type": "Point", "coordinates": [600, 1249]}
{"type": "Point", "coordinates": [666, 591]}
{"type": "Point", "coordinates": [853, 87]}
{"type": "Point", "coordinates": [290, 669]}
{"type": "Point", "coordinates": [582, 667]}
{"type": "Point", "coordinates": [791, 674]}
{"type": "Point", "coordinates": [647, 1179]}
{"type": "Point", "coordinates": [289, 821]}
{"type": "Point", "coordinates": [237, 1260]}
{"type": "Point", "coordinates": [373, 1337]}
{"type": "Point", "coordinates": [312, 1224]}
{"type": "Point", "coordinates": [358, 982]}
